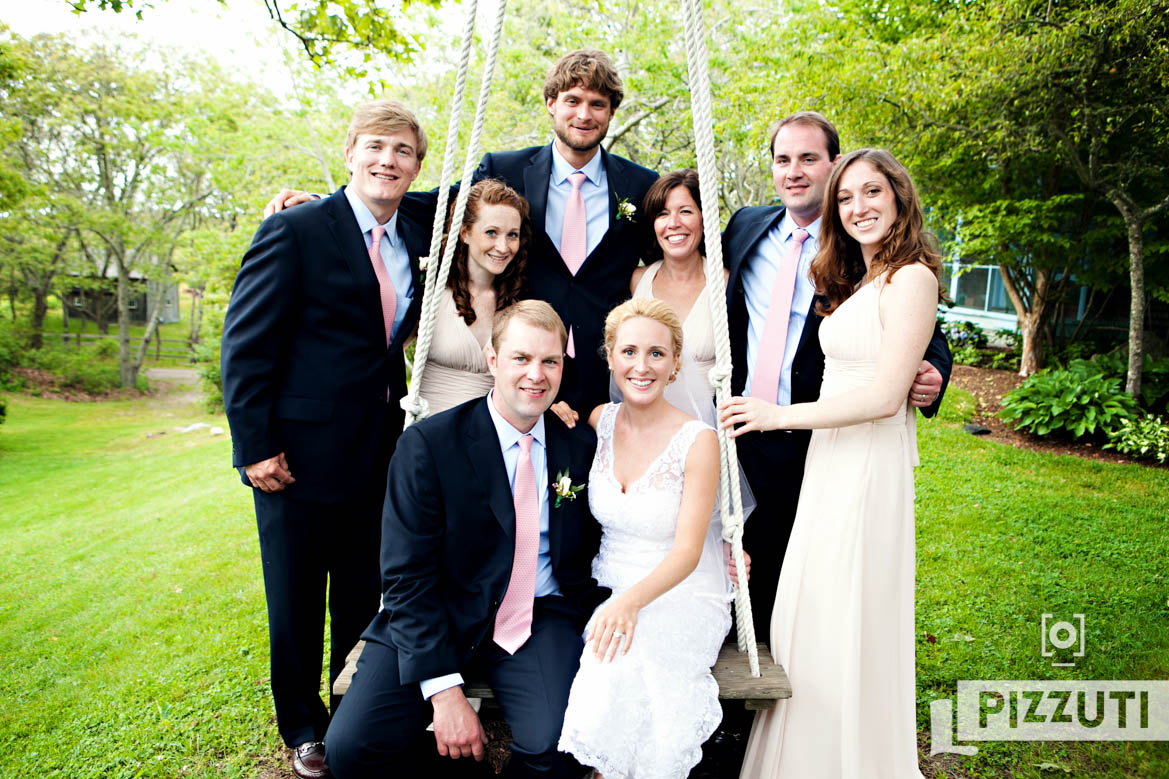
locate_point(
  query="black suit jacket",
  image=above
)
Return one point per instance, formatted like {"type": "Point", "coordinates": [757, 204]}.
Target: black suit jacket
{"type": "Point", "coordinates": [304, 362]}
{"type": "Point", "coordinates": [448, 537]}
{"type": "Point", "coordinates": [746, 229]}
{"type": "Point", "coordinates": [602, 281]}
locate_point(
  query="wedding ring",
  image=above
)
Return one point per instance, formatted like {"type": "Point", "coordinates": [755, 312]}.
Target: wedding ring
{"type": "Point", "coordinates": [618, 635]}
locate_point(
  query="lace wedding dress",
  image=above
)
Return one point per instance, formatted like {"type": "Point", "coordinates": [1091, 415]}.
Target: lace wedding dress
{"type": "Point", "coordinates": [646, 714]}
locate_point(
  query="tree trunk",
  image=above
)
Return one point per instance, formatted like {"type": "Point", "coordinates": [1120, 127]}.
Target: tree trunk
{"type": "Point", "coordinates": [1136, 312]}
{"type": "Point", "coordinates": [126, 371]}
{"type": "Point", "coordinates": [1030, 319]}
{"type": "Point", "coordinates": [40, 307]}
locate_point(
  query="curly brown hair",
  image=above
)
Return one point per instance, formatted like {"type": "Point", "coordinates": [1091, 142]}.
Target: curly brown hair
{"type": "Point", "coordinates": [489, 192]}
{"type": "Point", "coordinates": [838, 266]}
{"type": "Point", "coordinates": [586, 68]}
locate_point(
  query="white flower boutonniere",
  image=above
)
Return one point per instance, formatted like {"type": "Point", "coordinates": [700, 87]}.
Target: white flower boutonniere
{"type": "Point", "coordinates": [625, 209]}
{"type": "Point", "coordinates": [564, 488]}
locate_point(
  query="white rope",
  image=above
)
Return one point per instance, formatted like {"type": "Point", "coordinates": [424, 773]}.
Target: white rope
{"type": "Point", "coordinates": [414, 405]}
{"type": "Point", "coordinates": [731, 502]}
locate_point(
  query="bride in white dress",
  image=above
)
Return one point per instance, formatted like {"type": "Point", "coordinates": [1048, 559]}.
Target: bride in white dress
{"type": "Point", "coordinates": [644, 700]}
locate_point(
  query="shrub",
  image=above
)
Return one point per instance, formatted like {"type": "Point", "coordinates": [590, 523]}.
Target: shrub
{"type": "Point", "coordinates": [1079, 400]}
{"type": "Point", "coordinates": [3, 410]}
{"type": "Point", "coordinates": [1146, 436]}
{"type": "Point", "coordinates": [964, 334]}
{"type": "Point", "coordinates": [77, 369]}
{"type": "Point", "coordinates": [210, 380]}
{"type": "Point", "coordinates": [967, 354]}
{"type": "Point", "coordinates": [106, 349]}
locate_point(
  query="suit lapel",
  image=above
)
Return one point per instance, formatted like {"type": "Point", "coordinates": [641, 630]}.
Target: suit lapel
{"type": "Point", "coordinates": [487, 461]}
{"type": "Point", "coordinates": [556, 457]}
{"type": "Point", "coordinates": [744, 243]}
{"type": "Point", "coordinates": [536, 178]}
{"type": "Point", "coordinates": [416, 241]}
{"type": "Point", "coordinates": [351, 245]}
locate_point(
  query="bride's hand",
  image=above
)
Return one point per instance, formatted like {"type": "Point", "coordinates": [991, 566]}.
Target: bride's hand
{"type": "Point", "coordinates": [566, 414]}
{"type": "Point", "coordinates": [751, 413]}
{"type": "Point", "coordinates": [612, 628]}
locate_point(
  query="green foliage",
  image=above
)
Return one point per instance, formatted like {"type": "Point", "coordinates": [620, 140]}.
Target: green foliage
{"type": "Point", "coordinates": [1077, 401]}
{"type": "Point", "coordinates": [210, 379]}
{"type": "Point", "coordinates": [11, 348]}
{"type": "Point", "coordinates": [964, 333]}
{"type": "Point", "coordinates": [1145, 436]}
{"type": "Point", "coordinates": [3, 410]}
{"type": "Point", "coordinates": [967, 354]}
{"type": "Point", "coordinates": [80, 370]}
{"type": "Point", "coordinates": [1154, 381]}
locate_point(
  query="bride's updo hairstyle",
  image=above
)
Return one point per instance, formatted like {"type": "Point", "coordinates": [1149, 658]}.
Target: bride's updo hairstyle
{"type": "Point", "coordinates": [650, 309]}
{"type": "Point", "coordinates": [838, 266]}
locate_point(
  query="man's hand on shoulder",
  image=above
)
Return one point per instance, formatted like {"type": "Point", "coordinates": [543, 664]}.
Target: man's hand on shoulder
{"type": "Point", "coordinates": [457, 730]}
{"type": "Point", "coordinates": [271, 475]}
{"type": "Point", "coordinates": [286, 198]}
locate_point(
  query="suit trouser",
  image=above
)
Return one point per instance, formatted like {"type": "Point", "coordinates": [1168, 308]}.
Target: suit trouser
{"type": "Point", "coordinates": [307, 549]}
{"type": "Point", "coordinates": [774, 464]}
{"type": "Point", "coordinates": [380, 728]}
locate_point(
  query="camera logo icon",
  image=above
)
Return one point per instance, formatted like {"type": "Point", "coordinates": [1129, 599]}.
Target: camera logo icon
{"type": "Point", "coordinates": [1062, 640]}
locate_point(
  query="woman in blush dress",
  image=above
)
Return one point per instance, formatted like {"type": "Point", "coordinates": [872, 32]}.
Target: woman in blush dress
{"type": "Point", "coordinates": [842, 625]}
{"type": "Point", "coordinates": [644, 700]}
{"type": "Point", "coordinates": [486, 275]}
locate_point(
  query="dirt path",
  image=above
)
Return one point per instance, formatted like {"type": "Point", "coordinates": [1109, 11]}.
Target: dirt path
{"type": "Point", "coordinates": [176, 385]}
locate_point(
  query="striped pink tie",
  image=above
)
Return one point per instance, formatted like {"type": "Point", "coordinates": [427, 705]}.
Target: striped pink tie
{"type": "Point", "coordinates": [574, 235]}
{"type": "Point", "coordinates": [389, 296]}
{"type": "Point", "coordinates": [769, 363]}
{"type": "Point", "coordinates": [513, 622]}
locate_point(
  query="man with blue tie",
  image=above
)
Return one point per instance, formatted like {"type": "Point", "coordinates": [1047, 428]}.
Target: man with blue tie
{"type": "Point", "coordinates": [774, 345]}
{"type": "Point", "coordinates": [312, 377]}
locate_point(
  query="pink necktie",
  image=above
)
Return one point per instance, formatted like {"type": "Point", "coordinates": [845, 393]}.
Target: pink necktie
{"type": "Point", "coordinates": [389, 296]}
{"type": "Point", "coordinates": [574, 235]}
{"type": "Point", "coordinates": [769, 363]}
{"type": "Point", "coordinates": [513, 622]}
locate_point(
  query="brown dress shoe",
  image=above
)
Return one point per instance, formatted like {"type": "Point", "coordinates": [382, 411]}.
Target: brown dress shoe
{"type": "Point", "coordinates": [309, 761]}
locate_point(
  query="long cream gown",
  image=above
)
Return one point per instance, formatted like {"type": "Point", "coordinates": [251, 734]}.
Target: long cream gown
{"type": "Point", "coordinates": [456, 368]}
{"type": "Point", "coordinates": [843, 619]}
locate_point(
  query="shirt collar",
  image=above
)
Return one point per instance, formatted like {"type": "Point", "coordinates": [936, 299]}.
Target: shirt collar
{"type": "Point", "coordinates": [561, 169]}
{"type": "Point", "coordinates": [789, 226]}
{"type": "Point", "coordinates": [508, 435]}
{"type": "Point", "coordinates": [366, 219]}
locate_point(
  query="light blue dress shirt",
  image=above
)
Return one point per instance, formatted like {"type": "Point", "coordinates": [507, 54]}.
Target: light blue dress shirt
{"type": "Point", "coordinates": [594, 190]}
{"type": "Point", "coordinates": [394, 255]}
{"type": "Point", "coordinates": [758, 284]}
{"type": "Point", "coordinates": [509, 446]}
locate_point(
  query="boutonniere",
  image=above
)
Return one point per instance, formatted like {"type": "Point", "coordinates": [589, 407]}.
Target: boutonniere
{"type": "Point", "coordinates": [625, 209]}
{"type": "Point", "coordinates": [423, 264]}
{"type": "Point", "coordinates": [564, 488]}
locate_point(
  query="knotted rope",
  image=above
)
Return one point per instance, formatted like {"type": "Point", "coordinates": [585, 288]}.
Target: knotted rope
{"type": "Point", "coordinates": [731, 500]}
{"type": "Point", "coordinates": [414, 405]}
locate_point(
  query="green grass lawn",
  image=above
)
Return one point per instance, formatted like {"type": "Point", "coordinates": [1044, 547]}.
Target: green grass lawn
{"type": "Point", "coordinates": [133, 639]}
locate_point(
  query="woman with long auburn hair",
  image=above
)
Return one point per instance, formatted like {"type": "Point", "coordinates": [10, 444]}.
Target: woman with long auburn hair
{"type": "Point", "coordinates": [843, 625]}
{"type": "Point", "coordinates": [487, 273]}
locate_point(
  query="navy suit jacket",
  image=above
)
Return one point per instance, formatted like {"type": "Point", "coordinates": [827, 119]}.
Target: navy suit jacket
{"type": "Point", "coordinates": [448, 537]}
{"type": "Point", "coordinates": [746, 229]}
{"type": "Point", "coordinates": [602, 281]}
{"type": "Point", "coordinates": [304, 362]}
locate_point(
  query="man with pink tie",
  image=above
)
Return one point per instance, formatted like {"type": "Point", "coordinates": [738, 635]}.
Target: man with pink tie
{"type": "Point", "coordinates": [774, 345]}
{"type": "Point", "coordinates": [486, 571]}
{"type": "Point", "coordinates": [312, 375]}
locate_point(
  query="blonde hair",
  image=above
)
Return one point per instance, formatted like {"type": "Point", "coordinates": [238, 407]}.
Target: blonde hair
{"type": "Point", "coordinates": [385, 117]}
{"type": "Point", "coordinates": [650, 309]}
{"type": "Point", "coordinates": [536, 313]}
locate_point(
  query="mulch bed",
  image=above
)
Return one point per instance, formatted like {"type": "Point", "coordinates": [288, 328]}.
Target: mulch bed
{"type": "Point", "coordinates": [989, 385]}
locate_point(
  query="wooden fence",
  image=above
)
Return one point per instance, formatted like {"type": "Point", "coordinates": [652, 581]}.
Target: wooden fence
{"type": "Point", "coordinates": [175, 348]}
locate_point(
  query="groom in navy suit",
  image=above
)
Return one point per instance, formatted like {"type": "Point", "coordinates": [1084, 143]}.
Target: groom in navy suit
{"type": "Point", "coordinates": [484, 572]}
{"type": "Point", "coordinates": [312, 375]}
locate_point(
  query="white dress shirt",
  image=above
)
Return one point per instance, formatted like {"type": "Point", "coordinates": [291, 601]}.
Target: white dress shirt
{"type": "Point", "coordinates": [759, 273]}
{"type": "Point", "coordinates": [595, 191]}
{"type": "Point", "coordinates": [393, 252]}
{"type": "Point", "coordinates": [509, 445]}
